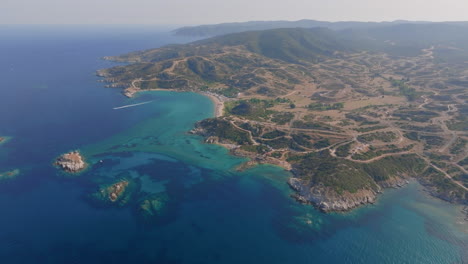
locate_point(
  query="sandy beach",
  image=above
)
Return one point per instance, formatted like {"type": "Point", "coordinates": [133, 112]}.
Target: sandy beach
{"type": "Point", "coordinates": [218, 100]}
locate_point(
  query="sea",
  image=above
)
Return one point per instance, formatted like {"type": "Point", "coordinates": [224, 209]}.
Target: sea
{"type": "Point", "coordinates": [52, 102]}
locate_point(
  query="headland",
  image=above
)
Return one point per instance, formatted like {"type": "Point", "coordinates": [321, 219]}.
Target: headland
{"type": "Point", "coordinates": [347, 120]}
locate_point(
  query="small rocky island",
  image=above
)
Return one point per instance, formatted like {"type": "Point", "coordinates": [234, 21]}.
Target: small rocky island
{"type": "Point", "coordinates": [116, 190]}
{"type": "Point", "coordinates": [119, 192]}
{"type": "Point", "coordinates": [9, 174]}
{"type": "Point", "coordinates": [3, 140]}
{"type": "Point", "coordinates": [71, 162]}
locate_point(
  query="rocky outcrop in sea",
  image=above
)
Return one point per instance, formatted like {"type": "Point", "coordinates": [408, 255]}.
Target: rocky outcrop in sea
{"type": "Point", "coordinates": [71, 162]}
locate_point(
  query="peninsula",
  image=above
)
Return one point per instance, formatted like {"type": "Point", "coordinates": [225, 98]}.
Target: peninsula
{"type": "Point", "coordinates": [348, 112]}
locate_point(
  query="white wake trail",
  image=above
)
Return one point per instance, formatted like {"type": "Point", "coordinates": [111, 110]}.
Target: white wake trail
{"type": "Point", "coordinates": [132, 105]}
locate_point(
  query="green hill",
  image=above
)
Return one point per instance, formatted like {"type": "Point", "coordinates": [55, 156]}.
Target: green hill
{"type": "Point", "coordinates": [292, 45]}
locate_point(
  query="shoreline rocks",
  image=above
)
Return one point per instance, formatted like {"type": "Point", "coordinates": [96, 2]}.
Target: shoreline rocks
{"type": "Point", "coordinates": [447, 196]}
{"type": "Point", "coordinates": [71, 162]}
{"type": "Point", "coordinates": [235, 150]}
{"type": "Point", "coordinates": [327, 200]}
{"type": "Point", "coordinates": [256, 159]}
{"type": "Point", "coordinates": [325, 197]}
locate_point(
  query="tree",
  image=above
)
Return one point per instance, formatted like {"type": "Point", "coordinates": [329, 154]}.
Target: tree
{"type": "Point", "coordinates": [292, 106]}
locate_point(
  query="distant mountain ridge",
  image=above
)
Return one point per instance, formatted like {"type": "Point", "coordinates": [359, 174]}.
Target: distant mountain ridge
{"type": "Point", "coordinates": [299, 45]}
{"type": "Point", "coordinates": [228, 28]}
{"type": "Point", "coordinates": [291, 45]}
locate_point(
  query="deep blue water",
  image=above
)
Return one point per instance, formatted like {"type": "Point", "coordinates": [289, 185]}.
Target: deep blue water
{"type": "Point", "coordinates": [51, 102]}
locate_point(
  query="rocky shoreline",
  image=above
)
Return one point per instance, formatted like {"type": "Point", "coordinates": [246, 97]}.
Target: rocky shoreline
{"type": "Point", "coordinates": [71, 162]}
{"type": "Point", "coordinates": [322, 197]}
{"type": "Point", "coordinates": [327, 200]}
{"type": "Point", "coordinates": [255, 159]}
{"type": "Point", "coordinates": [446, 195]}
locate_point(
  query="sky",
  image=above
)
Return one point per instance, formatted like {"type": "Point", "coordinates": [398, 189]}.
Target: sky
{"type": "Point", "coordinates": [193, 12]}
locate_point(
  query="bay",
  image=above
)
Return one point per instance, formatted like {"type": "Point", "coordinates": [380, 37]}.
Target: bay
{"type": "Point", "coordinates": [51, 102]}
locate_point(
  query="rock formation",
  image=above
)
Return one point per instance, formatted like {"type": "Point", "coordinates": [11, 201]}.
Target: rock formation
{"type": "Point", "coordinates": [71, 162]}
{"type": "Point", "coordinates": [116, 190]}
{"type": "Point", "coordinates": [327, 200]}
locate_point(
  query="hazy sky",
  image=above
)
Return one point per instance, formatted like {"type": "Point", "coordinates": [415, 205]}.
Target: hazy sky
{"type": "Point", "coordinates": [216, 11]}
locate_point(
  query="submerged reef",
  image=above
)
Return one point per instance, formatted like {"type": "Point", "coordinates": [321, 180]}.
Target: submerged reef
{"type": "Point", "coordinates": [152, 207]}
{"type": "Point", "coordinates": [4, 139]}
{"type": "Point", "coordinates": [8, 175]}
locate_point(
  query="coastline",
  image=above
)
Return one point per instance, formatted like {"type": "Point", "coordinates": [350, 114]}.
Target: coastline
{"type": "Point", "coordinates": [323, 199]}
{"type": "Point", "coordinates": [186, 202]}
{"type": "Point", "coordinates": [256, 159]}
{"type": "Point", "coordinates": [218, 100]}
{"type": "Point", "coordinates": [132, 90]}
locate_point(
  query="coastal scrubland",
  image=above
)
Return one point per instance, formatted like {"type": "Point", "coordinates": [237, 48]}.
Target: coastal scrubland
{"type": "Point", "coordinates": [349, 112]}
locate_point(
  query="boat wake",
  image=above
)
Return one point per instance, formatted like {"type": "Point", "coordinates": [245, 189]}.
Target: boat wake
{"type": "Point", "coordinates": [132, 105]}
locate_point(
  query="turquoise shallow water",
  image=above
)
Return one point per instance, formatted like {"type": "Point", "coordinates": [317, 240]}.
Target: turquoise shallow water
{"type": "Point", "coordinates": [214, 214]}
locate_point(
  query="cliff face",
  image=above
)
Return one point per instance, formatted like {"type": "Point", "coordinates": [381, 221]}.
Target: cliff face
{"type": "Point", "coordinates": [327, 200]}
{"type": "Point", "coordinates": [71, 162]}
